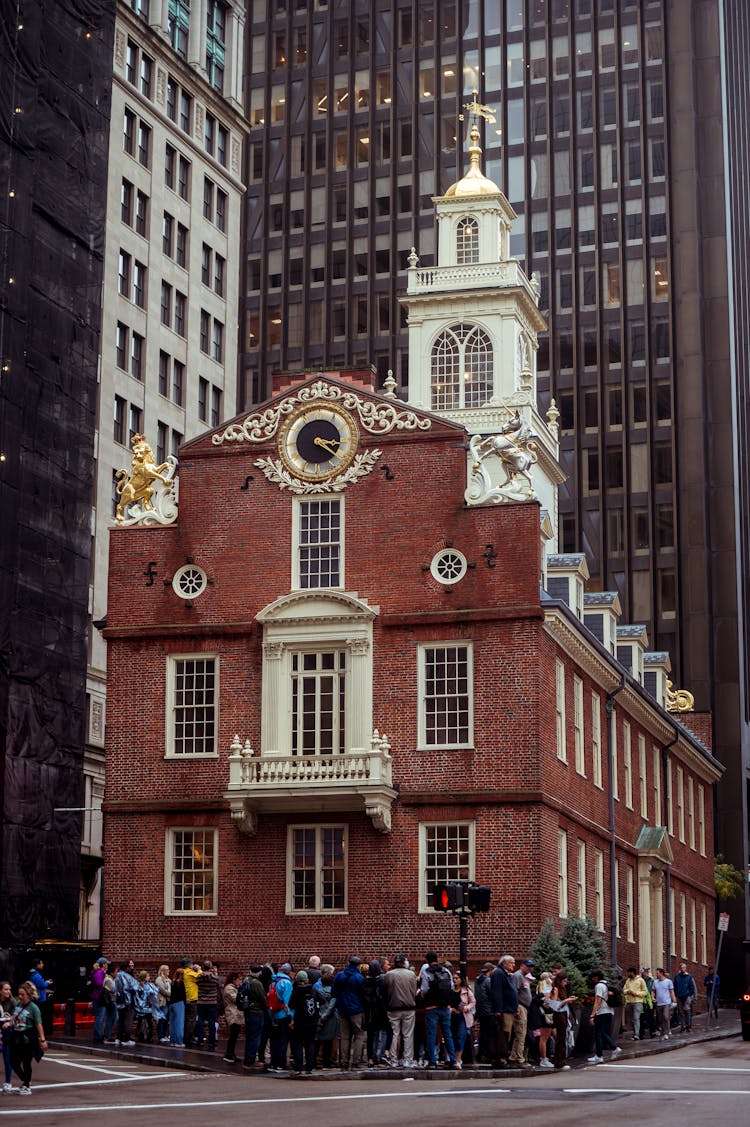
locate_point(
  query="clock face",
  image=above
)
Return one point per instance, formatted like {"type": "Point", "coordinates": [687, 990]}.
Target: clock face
{"type": "Point", "coordinates": [318, 441]}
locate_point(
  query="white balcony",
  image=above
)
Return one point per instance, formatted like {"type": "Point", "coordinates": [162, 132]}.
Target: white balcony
{"type": "Point", "coordinates": [277, 784]}
{"type": "Point", "coordinates": [437, 279]}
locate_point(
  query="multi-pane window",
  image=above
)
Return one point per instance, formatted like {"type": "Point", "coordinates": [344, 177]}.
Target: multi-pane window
{"type": "Point", "coordinates": [446, 712]}
{"type": "Point", "coordinates": [180, 305]}
{"type": "Point", "coordinates": [704, 945]}
{"type": "Point", "coordinates": [658, 812]}
{"type": "Point", "coordinates": [203, 386]}
{"type": "Point", "coordinates": [215, 406]}
{"type": "Point", "coordinates": [123, 274]}
{"type": "Point", "coordinates": [209, 134]}
{"type": "Point", "coordinates": [162, 437]}
{"type": "Point", "coordinates": [670, 798]}
{"type": "Point", "coordinates": [629, 903]}
{"type": "Point", "coordinates": [170, 164]}
{"type": "Point", "coordinates": [178, 25]}
{"type": "Point", "coordinates": [580, 759]}
{"type": "Point", "coordinates": [320, 543]}
{"type": "Point", "coordinates": [145, 75]}
{"type": "Point", "coordinates": [702, 821]}
{"type": "Point", "coordinates": [318, 702]}
{"type": "Point", "coordinates": [178, 381]}
{"type": "Point", "coordinates": [137, 350]}
{"type": "Point", "coordinates": [562, 873]}
{"type": "Point", "coordinates": [139, 284]}
{"type": "Point", "coordinates": [222, 144]}
{"type": "Point", "coordinates": [219, 274]}
{"type": "Point", "coordinates": [181, 248]}
{"type": "Point", "coordinates": [167, 235]}
{"type": "Point", "coordinates": [128, 132]}
{"type": "Point", "coordinates": [627, 764]}
{"type": "Point", "coordinates": [191, 871]}
{"type": "Point", "coordinates": [217, 342]}
{"type": "Point", "coordinates": [194, 705]}
{"type": "Point", "coordinates": [183, 178]}
{"type": "Point", "coordinates": [461, 368]}
{"type": "Point", "coordinates": [206, 264]}
{"type": "Point", "coordinates": [467, 241]}
{"type": "Point", "coordinates": [680, 803]}
{"type": "Point", "coordinates": [163, 375]}
{"type": "Point", "coordinates": [683, 925]}
{"type": "Point", "coordinates": [135, 416]}
{"type": "Point", "coordinates": [599, 889]}
{"type": "Point", "coordinates": [596, 739]}
{"type": "Point", "coordinates": [205, 330]}
{"type": "Point", "coordinates": [216, 19]}
{"type": "Point", "coordinates": [562, 751]}
{"type": "Point", "coordinates": [144, 144]}
{"type": "Point", "coordinates": [121, 345]}
{"type": "Point", "coordinates": [126, 202]}
{"type": "Point", "coordinates": [317, 869]}
{"type": "Point", "coordinates": [615, 780]}
{"type": "Point", "coordinates": [642, 776]}
{"type": "Point", "coordinates": [581, 877]}
{"type": "Point", "coordinates": [221, 209]}
{"type": "Point", "coordinates": [120, 409]}
{"type": "Point", "coordinates": [691, 812]}
{"type": "Point", "coordinates": [447, 854]}
{"type": "Point", "coordinates": [186, 111]}
{"type": "Point", "coordinates": [166, 304]}
{"type": "Point", "coordinates": [172, 94]}
{"type": "Point", "coordinates": [617, 899]}
{"type": "Point", "coordinates": [141, 213]}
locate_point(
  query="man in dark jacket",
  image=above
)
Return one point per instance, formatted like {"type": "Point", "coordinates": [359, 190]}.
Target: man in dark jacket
{"type": "Point", "coordinates": [435, 986]}
{"type": "Point", "coordinates": [684, 988]}
{"type": "Point", "coordinates": [256, 1014]}
{"type": "Point", "coordinates": [504, 1006]}
{"type": "Point", "coordinates": [485, 1014]}
{"type": "Point", "coordinates": [348, 990]}
{"type": "Point", "coordinates": [208, 1005]}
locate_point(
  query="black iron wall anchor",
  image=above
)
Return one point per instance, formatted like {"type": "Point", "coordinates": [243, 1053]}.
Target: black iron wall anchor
{"type": "Point", "coordinates": [246, 486]}
{"type": "Point", "coordinates": [150, 573]}
{"type": "Point", "coordinates": [490, 555]}
{"type": "Point", "coordinates": [386, 471]}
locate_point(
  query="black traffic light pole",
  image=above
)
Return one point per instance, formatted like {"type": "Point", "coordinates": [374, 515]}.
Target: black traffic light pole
{"type": "Point", "coordinates": [461, 898]}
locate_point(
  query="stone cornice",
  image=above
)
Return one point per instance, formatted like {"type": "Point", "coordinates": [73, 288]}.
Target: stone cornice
{"type": "Point", "coordinates": [583, 653]}
{"type": "Point", "coordinates": [461, 615]}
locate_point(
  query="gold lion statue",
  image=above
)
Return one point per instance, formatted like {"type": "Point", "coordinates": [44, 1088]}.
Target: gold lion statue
{"type": "Point", "coordinates": [136, 486]}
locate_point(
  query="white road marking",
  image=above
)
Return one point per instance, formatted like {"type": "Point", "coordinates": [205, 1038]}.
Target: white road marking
{"type": "Point", "coordinates": [107, 1070]}
{"type": "Point", "coordinates": [411, 1094]}
{"type": "Point", "coordinates": [679, 1067]}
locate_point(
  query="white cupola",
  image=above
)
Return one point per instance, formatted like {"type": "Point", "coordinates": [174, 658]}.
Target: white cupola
{"type": "Point", "coordinates": [474, 320]}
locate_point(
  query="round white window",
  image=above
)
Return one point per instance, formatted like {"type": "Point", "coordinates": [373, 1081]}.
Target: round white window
{"type": "Point", "coordinates": [448, 566]}
{"type": "Point", "coordinates": [189, 582]}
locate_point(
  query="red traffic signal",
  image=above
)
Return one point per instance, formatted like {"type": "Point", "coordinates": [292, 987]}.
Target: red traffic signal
{"type": "Point", "coordinates": [448, 897]}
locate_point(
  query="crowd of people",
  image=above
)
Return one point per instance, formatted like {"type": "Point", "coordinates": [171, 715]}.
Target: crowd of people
{"type": "Point", "coordinates": [22, 1033]}
{"type": "Point", "coordinates": [382, 1014]}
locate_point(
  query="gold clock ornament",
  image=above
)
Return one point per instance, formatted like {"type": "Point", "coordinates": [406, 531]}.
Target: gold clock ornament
{"type": "Point", "coordinates": [318, 441]}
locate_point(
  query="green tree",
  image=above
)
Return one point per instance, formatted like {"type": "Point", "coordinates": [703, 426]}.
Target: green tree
{"type": "Point", "coordinates": [547, 948]}
{"type": "Point", "coordinates": [585, 952]}
{"type": "Point", "coordinates": [728, 881]}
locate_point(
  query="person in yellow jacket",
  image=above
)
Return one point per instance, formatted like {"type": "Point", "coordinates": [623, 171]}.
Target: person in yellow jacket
{"type": "Point", "coordinates": [192, 971]}
{"type": "Point", "coordinates": [634, 991]}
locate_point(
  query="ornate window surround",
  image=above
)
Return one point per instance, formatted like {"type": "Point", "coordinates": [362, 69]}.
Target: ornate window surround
{"type": "Point", "coordinates": [297, 503]}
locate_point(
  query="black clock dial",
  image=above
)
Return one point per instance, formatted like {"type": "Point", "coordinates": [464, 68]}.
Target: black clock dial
{"type": "Point", "coordinates": [318, 441]}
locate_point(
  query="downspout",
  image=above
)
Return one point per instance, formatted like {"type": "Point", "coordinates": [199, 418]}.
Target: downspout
{"type": "Point", "coordinates": [668, 868]}
{"type": "Point", "coordinates": [613, 890]}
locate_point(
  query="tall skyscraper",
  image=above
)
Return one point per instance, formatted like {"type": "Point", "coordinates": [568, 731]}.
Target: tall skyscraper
{"type": "Point", "coordinates": [619, 141]}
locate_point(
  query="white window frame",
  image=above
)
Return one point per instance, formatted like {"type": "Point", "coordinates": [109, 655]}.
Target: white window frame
{"type": "Point", "coordinates": [171, 686]}
{"type": "Point", "coordinates": [455, 872]}
{"type": "Point", "coordinates": [599, 889]}
{"type": "Point", "coordinates": [693, 932]}
{"type": "Point", "coordinates": [691, 812]}
{"type": "Point", "coordinates": [683, 925]}
{"type": "Point", "coordinates": [629, 903]}
{"type": "Point", "coordinates": [581, 877]}
{"type": "Point", "coordinates": [627, 764]}
{"type": "Point", "coordinates": [680, 803]}
{"type": "Point", "coordinates": [562, 750]}
{"type": "Point", "coordinates": [615, 780]}
{"type": "Point", "coordinates": [643, 776]}
{"type": "Point", "coordinates": [658, 805]}
{"type": "Point", "coordinates": [297, 546]}
{"type": "Point", "coordinates": [617, 899]}
{"type": "Point", "coordinates": [562, 873]}
{"type": "Point", "coordinates": [670, 799]}
{"type": "Point", "coordinates": [578, 744]}
{"type": "Point", "coordinates": [316, 620]}
{"type": "Point", "coordinates": [702, 820]}
{"type": "Point", "coordinates": [169, 844]}
{"type": "Point", "coordinates": [318, 910]}
{"type": "Point", "coordinates": [672, 922]}
{"type": "Point", "coordinates": [448, 643]}
{"type": "Point", "coordinates": [704, 944]}
{"type": "Point", "coordinates": [596, 739]}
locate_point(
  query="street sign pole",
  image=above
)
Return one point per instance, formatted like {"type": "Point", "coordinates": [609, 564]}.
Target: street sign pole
{"type": "Point", "coordinates": [723, 927]}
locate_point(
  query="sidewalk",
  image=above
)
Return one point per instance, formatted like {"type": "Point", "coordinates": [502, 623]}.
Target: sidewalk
{"type": "Point", "coordinates": [196, 1060]}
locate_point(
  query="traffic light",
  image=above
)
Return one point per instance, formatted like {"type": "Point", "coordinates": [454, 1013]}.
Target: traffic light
{"type": "Point", "coordinates": [478, 899]}
{"type": "Point", "coordinates": [448, 897]}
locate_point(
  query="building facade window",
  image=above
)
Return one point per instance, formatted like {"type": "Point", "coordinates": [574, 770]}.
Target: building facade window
{"type": "Point", "coordinates": [658, 811]}
{"type": "Point", "coordinates": [467, 241]}
{"type": "Point", "coordinates": [316, 869]}
{"type": "Point", "coordinates": [319, 543]}
{"type": "Point", "coordinates": [203, 399]}
{"type": "Point", "coordinates": [629, 903]}
{"type": "Point", "coordinates": [615, 780]}
{"type": "Point", "coordinates": [627, 764]}
{"type": "Point", "coordinates": [596, 739]}
{"type": "Point", "coordinates": [446, 853]}
{"type": "Point", "coordinates": [318, 702]}
{"type": "Point", "coordinates": [446, 696]}
{"type": "Point", "coordinates": [578, 745]}
{"type": "Point", "coordinates": [702, 820]}
{"type": "Point", "coordinates": [581, 878]}
{"type": "Point", "coordinates": [680, 803]}
{"type": "Point", "coordinates": [642, 777]}
{"type": "Point", "coordinates": [216, 21]}
{"type": "Point", "coordinates": [191, 864]}
{"type": "Point", "coordinates": [562, 751]}
{"type": "Point", "coordinates": [599, 889]}
{"type": "Point", "coordinates": [562, 873]}
{"type": "Point", "coordinates": [178, 25]}
{"type": "Point", "coordinates": [120, 409]}
{"type": "Point", "coordinates": [461, 368]}
{"type": "Point", "coordinates": [691, 812]}
{"type": "Point", "coordinates": [193, 695]}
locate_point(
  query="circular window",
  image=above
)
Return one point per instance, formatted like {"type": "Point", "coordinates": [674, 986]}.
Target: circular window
{"type": "Point", "coordinates": [448, 566]}
{"type": "Point", "coordinates": [189, 582]}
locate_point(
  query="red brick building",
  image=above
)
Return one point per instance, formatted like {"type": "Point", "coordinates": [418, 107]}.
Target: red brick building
{"type": "Point", "coordinates": [353, 666]}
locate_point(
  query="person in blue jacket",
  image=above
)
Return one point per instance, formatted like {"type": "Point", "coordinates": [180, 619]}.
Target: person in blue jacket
{"type": "Point", "coordinates": [348, 990]}
{"type": "Point", "coordinates": [281, 1014]}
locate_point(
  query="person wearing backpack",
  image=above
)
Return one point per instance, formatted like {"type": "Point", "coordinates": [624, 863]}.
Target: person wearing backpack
{"type": "Point", "coordinates": [251, 1001]}
{"type": "Point", "coordinates": [685, 991]}
{"type": "Point", "coordinates": [279, 1008]}
{"type": "Point", "coordinates": [504, 1006]}
{"type": "Point", "coordinates": [601, 1019]}
{"type": "Point", "coordinates": [305, 1004]}
{"type": "Point", "coordinates": [436, 987]}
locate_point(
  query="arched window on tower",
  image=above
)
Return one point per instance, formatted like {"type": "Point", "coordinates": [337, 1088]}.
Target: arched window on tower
{"type": "Point", "coordinates": [467, 241]}
{"type": "Point", "coordinates": [461, 368]}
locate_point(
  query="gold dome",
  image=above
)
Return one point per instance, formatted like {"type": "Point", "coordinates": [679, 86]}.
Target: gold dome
{"type": "Point", "coordinates": [474, 183]}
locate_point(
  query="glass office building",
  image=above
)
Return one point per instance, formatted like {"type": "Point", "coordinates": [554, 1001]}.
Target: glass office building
{"type": "Point", "coordinates": [615, 122]}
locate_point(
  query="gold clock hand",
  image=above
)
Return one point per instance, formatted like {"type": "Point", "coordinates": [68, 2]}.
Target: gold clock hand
{"type": "Point", "coordinates": [326, 443]}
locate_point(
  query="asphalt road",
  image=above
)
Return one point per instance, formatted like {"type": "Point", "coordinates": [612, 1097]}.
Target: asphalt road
{"type": "Point", "coordinates": [707, 1081]}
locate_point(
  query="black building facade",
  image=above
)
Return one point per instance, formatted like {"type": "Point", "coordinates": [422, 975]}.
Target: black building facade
{"type": "Point", "coordinates": [616, 120]}
{"type": "Point", "coordinates": [56, 63]}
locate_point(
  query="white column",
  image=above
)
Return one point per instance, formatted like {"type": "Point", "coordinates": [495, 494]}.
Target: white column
{"type": "Point", "coordinates": [197, 38]}
{"type": "Point", "coordinates": [359, 696]}
{"type": "Point", "coordinates": [644, 917]}
{"type": "Point", "coordinates": [270, 717]}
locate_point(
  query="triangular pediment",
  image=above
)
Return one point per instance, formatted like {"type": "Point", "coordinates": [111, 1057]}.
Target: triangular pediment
{"type": "Point", "coordinates": [316, 606]}
{"type": "Point", "coordinates": [653, 842]}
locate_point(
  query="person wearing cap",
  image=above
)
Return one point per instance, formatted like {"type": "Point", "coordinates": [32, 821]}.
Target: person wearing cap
{"type": "Point", "coordinates": [522, 979]}
{"type": "Point", "coordinates": [348, 990]}
{"type": "Point", "coordinates": [98, 998]}
{"type": "Point", "coordinates": [484, 1013]}
{"type": "Point", "coordinates": [400, 984]}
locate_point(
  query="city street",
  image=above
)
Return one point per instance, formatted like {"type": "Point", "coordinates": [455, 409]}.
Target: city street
{"type": "Point", "coordinates": [686, 1086]}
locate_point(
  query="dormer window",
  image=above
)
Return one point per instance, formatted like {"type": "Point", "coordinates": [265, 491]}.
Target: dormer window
{"type": "Point", "coordinates": [461, 368]}
{"type": "Point", "coordinates": [467, 241]}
